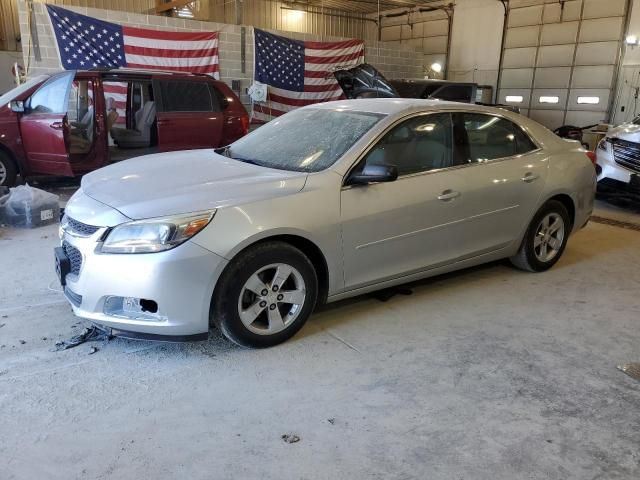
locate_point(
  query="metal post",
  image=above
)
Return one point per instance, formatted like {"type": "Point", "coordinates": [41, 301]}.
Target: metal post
{"type": "Point", "coordinates": [505, 5]}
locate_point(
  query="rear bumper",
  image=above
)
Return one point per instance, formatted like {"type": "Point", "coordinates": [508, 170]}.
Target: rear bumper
{"type": "Point", "coordinates": [180, 281]}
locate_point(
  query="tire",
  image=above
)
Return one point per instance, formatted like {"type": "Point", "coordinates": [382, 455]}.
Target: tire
{"type": "Point", "coordinates": [242, 287]}
{"type": "Point", "coordinates": [530, 256]}
{"type": "Point", "coordinates": [8, 171]}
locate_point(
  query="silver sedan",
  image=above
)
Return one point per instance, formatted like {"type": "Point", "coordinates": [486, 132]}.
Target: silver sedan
{"type": "Point", "coordinates": [326, 202]}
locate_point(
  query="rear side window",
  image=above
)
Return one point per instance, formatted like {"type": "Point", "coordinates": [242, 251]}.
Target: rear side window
{"type": "Point", "coordinates": [481, 137]}
{"type": "Point", "coordinates": [186, 96]}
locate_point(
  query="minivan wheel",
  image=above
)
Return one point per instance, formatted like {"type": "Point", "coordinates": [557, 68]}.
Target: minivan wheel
{"type": "Point", "coordinates": [265, 295]}
{"type": "Point", "coordinates": [545, 240]}
{"type": "Point", "coordinates": [8, 171]}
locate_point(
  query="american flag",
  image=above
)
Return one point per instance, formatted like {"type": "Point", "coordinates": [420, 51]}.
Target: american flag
{"type": "Point", "coordinates": [300, 73]}
{"type": "Point", "coordinates": [86, 42]}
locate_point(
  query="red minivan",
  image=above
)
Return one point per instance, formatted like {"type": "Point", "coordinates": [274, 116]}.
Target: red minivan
{"type": "Point", "coordinates": [73, 122]}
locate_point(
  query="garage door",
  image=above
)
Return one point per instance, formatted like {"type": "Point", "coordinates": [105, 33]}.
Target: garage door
{"type": "Point", "coordinates": [560, 59]}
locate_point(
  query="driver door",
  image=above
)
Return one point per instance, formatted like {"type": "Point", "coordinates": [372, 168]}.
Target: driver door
{"type": "Point", "coordinates": [44, 126]}
{"type": "Point", "coordinates": [414, 223]}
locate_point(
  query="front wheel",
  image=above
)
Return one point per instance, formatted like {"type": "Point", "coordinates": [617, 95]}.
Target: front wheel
{"type": "Point", "coordinates": [8, 171]}
{"type": "Point", "coordinates": [545, 240]}
{"type": "Point", "coordinates": [265, 295]}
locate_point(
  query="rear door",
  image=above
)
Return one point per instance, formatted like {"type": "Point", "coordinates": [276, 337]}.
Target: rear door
{"type": "Point", "coordinates": [189, 114]}
{"type": "Point", "coordinates": [504, 175]}
{"type": "Point", "coordinates": [44, 126]}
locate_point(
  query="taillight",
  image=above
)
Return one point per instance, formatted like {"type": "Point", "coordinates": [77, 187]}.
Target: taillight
{"type": "Point", "coordinates": [592, 156]}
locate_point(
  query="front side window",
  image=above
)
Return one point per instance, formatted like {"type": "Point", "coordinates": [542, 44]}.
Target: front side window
{"type": "Point", "coordinates": [481, 137]}
{"type": "Point", "coordinates": [304, 140]}
{"type": "Point", "coordinates": [186, 96]}
{"type": "Point", "coordinates": [416, 145]}
{"type": "Point", "coordinates": [52, 96]}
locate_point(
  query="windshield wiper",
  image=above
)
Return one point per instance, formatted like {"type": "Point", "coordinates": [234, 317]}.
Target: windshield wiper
{"type": "Point", "coordinates": [223, 151]}
{"type": "Point", "coordinates": [226, 151]}
{"type": "Point", "coordinates": [247, 160]}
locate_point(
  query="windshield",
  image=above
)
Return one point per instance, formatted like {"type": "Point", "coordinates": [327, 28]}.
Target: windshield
{"type": "Point", "coordinates": [304, 140]}
{"type": "Point", "coordinates": [20, 89]}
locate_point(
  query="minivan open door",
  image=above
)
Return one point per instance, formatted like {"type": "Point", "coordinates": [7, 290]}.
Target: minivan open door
{"type": "Point", "coordinates": [44, 126]}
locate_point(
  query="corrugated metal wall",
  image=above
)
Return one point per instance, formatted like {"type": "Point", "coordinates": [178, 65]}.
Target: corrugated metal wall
{"type": "Point", "coordinates": [268, 14]}
{"type": "Point", "coordinates": [9, 27]}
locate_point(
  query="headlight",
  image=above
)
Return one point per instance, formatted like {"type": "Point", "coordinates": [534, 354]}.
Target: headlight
{"type": "Point", "coordinates": [602, 144]}
{"type": "Point", "coordinates": [155, 234]}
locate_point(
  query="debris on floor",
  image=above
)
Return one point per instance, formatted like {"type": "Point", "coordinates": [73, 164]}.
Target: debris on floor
{"type": "Point", "coordinates": [92, 350]}
{"type": "Point", "coordinates": [631, 369]}
{"type": "Point", "coordinates": [90, 334]}
{"type": "Point", "coordinates": [290, 438]}
{"type": "Point", "coordinates": [22, 342]}
{"type": "Point", "coordinates": [332, 421]}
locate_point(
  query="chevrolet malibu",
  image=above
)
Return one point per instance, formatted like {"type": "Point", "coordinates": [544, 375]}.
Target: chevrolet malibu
{"type": "Point", "coordinates": [326, 202]}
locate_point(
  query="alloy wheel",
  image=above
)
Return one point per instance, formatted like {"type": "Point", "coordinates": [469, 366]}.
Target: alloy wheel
{"type": "Point", "coordinates": [271, 299]}
{"type": "Point", "coordinates": [549, 237]}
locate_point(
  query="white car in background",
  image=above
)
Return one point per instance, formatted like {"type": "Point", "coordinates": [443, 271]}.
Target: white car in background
{"type": "Point", "coordinates": [618, 158]}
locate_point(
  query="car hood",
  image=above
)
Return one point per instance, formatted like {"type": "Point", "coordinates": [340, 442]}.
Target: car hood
{"type": "Point", "coordinates": [626, 131]}
{"type": "Point", "coordinates": [181, 182]}
{"type": "Point", "coordinates": [364, 81]}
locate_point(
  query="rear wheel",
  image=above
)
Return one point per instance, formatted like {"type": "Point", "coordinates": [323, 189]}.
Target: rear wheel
{"type": "Point", "coordinates": [8, 171]}
{"type": "Point", "coordinates": [265, 295]}
{"type": "Point", "coordinates": [545, 240]}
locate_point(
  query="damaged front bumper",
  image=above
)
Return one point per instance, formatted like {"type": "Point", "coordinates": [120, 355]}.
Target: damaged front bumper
{"type": "Point", "coordinates": [160, 296]}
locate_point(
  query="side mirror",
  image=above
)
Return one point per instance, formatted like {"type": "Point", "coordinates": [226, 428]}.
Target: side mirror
{"type": "Point", "coordinates": [16, 106]}
{"type": "Point", "coordinates": [374, 173]}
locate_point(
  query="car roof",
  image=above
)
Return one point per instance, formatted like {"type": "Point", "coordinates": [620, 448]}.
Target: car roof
{"type": "Point", "coordinates": [398, 107]}
{"type": "Point", "coordinates": [393, 106]}
{"type": "Point", "coordinates": [139, 71]}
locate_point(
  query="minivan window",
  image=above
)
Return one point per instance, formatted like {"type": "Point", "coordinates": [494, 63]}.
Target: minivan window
{"type": "Point", "coordinates": [186, 96]}
{"type": "Point", "coordinates": [52, 96]}
{"type": "Point", "coordinates": [304, 140]}
{"type": "Point", "coordinates": [487, 137]}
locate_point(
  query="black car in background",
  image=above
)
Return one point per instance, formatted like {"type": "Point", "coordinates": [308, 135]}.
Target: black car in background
{"type": "Point", "coordinates": [365, 81]}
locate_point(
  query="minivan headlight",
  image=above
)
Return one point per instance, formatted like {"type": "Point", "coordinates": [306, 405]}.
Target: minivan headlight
{"type": "Point", "coordinates": [155, 234]}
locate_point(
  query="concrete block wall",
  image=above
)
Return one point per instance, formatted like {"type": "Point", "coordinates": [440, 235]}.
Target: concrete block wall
{"type": "Point", "coordinates": [427, 32]}
{"type": "Point", "coordinates": [394, 61]}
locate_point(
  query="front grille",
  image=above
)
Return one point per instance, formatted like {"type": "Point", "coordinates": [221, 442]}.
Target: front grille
{"type": "Point", "coordinates": [75, 257]}
{"type": "Point", "coordinates": [78, 228]}
{"type": "Point", "coordinates": [626, 154]}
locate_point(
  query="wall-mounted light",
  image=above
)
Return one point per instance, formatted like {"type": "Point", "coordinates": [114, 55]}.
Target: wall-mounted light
{"type": "Point", "coordinates": [631, 40]}
{"type": "Point", "coordinates": [582, 100]}
{"type": "Point", "coordinates": [436, 67]}
{"type": "Point", "coordinates": [295, 15]}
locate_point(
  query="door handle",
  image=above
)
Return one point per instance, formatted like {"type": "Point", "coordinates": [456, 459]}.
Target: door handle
{"type": "Point", "coordinates": [530, 177]}
{"type": "Point", "coordinates": [448, 195]}
{"type": "Point", "coordinates": [57, 125]}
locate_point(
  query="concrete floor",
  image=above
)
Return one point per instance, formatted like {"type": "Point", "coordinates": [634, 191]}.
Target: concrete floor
{"type": "Point", "coordinates": [490, 373]}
